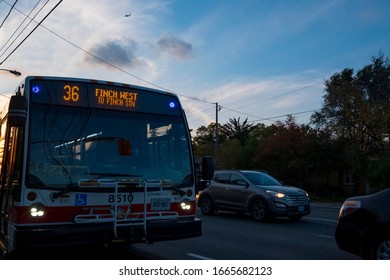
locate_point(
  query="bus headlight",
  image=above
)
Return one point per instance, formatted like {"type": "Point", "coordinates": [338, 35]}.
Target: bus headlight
{"type": "Point", "coordinates": [185, 204]}
{"type": "Point", "coordinates": [37, 210]}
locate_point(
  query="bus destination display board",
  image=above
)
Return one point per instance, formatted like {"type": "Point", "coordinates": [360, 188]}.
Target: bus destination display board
{"type": "Point", "coordinates": [105, 96]}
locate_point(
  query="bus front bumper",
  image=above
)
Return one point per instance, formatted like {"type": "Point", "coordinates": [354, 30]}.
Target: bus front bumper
{"type": "Point", "coordinates": [104, 233]}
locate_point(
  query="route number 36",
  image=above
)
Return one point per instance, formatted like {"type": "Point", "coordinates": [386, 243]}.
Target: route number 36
{"type": "Point", "coordinates": [71, 93]}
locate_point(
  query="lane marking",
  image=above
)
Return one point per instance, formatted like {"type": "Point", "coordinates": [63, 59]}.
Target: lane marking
{"type": "Point", "coordinates": [325, 236]}
{"type": "Point", "coordinates": [318, 219]}
{"type": "Point", "coordinates": [198, 256]}
{"type": "Point", "coordinates": [324, 205]}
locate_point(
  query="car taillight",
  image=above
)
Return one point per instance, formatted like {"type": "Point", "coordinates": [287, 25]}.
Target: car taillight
{"type": "Point", "coordinates": [349, 206]}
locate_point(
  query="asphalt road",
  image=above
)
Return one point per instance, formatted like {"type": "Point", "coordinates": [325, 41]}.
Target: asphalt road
{"type": "Point", "coordinates": [233, 236]}
{"type": "Point", "coordinates": [230, 236]}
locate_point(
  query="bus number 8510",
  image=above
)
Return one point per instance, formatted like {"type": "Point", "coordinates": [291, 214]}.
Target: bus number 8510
{"type": "Point", "coordinates": [121, 198]}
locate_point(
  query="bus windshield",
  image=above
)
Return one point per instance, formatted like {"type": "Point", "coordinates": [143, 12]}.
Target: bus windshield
{"type": "Point", "coordinates": [68, 144]}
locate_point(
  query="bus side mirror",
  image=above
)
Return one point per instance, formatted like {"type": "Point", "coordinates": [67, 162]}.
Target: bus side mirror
{"type": "Point", "coordinates": [17, 111]}
{"type": "Point", "coordinates": [207, 168]}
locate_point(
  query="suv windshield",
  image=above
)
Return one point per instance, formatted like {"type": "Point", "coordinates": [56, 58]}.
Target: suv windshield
{"type": "Point", "coordinates": [262, 179]}
{"type": "Point", "coordinates": [68, 144]}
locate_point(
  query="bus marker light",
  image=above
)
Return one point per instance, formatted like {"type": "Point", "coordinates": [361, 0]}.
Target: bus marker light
{"type": "Point", "coordinates": [31, 196]}
{"type": "Point", "coordinates": [35, 89]}
{"type": "Point", "coordinates": [172, 105]}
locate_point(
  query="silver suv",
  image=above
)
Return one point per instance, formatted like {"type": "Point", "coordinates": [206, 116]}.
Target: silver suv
{"type": "Point", "coordinates": [253, 192]}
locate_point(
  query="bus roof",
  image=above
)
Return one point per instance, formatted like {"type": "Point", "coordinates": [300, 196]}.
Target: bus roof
{"type": "Point", "coordinates": [95, 81]}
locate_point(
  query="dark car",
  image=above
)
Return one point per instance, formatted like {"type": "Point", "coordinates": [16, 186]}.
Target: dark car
{"type": "Point", "coordinates": [253, 192]}
{"type": "Point", "coordinates": [363, 226]}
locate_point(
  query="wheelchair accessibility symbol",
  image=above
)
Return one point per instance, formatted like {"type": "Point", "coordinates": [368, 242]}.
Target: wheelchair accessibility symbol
{"type": "Point", "coordinates": [81, 199]}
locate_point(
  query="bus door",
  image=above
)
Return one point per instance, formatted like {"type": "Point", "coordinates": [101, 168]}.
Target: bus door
{"type": "Point", "coordinates": [11, 161]}
{"type": "Point", "coordinates": [11, 165]}
{"type": "Point", "coordinates": [10, 177]}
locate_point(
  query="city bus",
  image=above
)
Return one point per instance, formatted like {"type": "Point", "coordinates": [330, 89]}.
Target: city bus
{"type": "Point", "coordinates": [95, 162]}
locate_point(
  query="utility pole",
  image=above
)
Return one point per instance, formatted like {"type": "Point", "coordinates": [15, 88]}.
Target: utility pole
{"type": "Point", "coordinates": [216, 128]}
{"type": "Point", "coordinates": [217, 109]}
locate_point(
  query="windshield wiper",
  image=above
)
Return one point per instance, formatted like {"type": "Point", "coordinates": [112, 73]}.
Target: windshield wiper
{"type": "Point", "coordinates": [68, 188]}
{"type": "Point", "coordinates": [180, 191]}
{"type": "Point", "coordinates": [187, 182]}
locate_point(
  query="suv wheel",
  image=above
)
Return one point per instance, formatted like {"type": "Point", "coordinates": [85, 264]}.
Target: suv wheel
{"type": "Point", "coordinates": [381, 248]}
{"type": "Point", "coordinates": [206, 205]}
{"type": "Point", "coordinates": [259, 211]}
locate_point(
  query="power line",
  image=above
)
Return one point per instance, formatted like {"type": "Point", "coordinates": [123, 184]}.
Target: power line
{"type": "Point", "coordinates": [31, 31]}
{"type": "Point", "coordinates": [239, 112]}
{"type": "Point", "coordinates": [9, 12]}
{"type": "Point", "coordinates": [23, 28]}
{"type": "Point", "coordinates": [110, 64]}
{"type": "Point", "coordinates": [281, 116]}
{"type": "Point", "coordinates": [188, 116]}
{"type": "Point", "coordinates": [153, 84]}
{"type": "Point", "coordinates": [267, 99]}
{"type": "Point", "coordinates": [285, 115]}
{"type": "Point", "coordinates": [280, 95]}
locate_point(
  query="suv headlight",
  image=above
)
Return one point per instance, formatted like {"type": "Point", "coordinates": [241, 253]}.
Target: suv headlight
{"type": "Point", "coordinates": [276, 194]}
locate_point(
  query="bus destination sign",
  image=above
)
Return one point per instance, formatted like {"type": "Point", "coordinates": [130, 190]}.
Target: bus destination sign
{"type": "Point", "coordinates": [116, 98]}
{"type": "Point", "coordinates": [97, 95]}
{"type": "Point", "coordinates": [109, 97]}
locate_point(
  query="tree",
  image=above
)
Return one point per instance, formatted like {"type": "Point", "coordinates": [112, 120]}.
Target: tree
{"type": "Point", "coordinates": [356, 111]}
{"type": "Point", "coordinates": [230, 155]}
{"type": "Point", "coordinates": [235, 130]}
{"type": "Point", "coordinates": [204, 141]}
{"type": "Point", "coordinates": [284, 153]}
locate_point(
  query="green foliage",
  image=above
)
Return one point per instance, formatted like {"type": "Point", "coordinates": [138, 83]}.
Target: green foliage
{"type": "Point", "coordinates": [284, 153]}
{"type": "Point", "coordinates": [357, 113]}
{"type": "Point", "coordinates": [231, 155]}
{"type": "Point", "coordinates": [378, 171]}
{"type": "Point", "coordinates": [235, 130]}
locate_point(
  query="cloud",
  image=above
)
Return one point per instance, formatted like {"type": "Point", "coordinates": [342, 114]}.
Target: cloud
{"type": "Point", "coordinates": [174, 46]}
{"type": "Point", "coordinates": [114, 53]}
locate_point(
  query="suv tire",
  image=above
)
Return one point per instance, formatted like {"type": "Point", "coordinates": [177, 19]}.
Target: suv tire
{"type": "Point", "coordinates": [259, 211]}
{"type": "Point", "coordinates": [206, 205]}
{"type": "Point", "coordinates": [381, 248]}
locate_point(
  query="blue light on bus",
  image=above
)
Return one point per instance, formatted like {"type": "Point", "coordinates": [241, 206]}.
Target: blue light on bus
{"type": "Point", "coordinates": [172, 104]}
{"type": "Point", "coordinates": [35, 89]}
